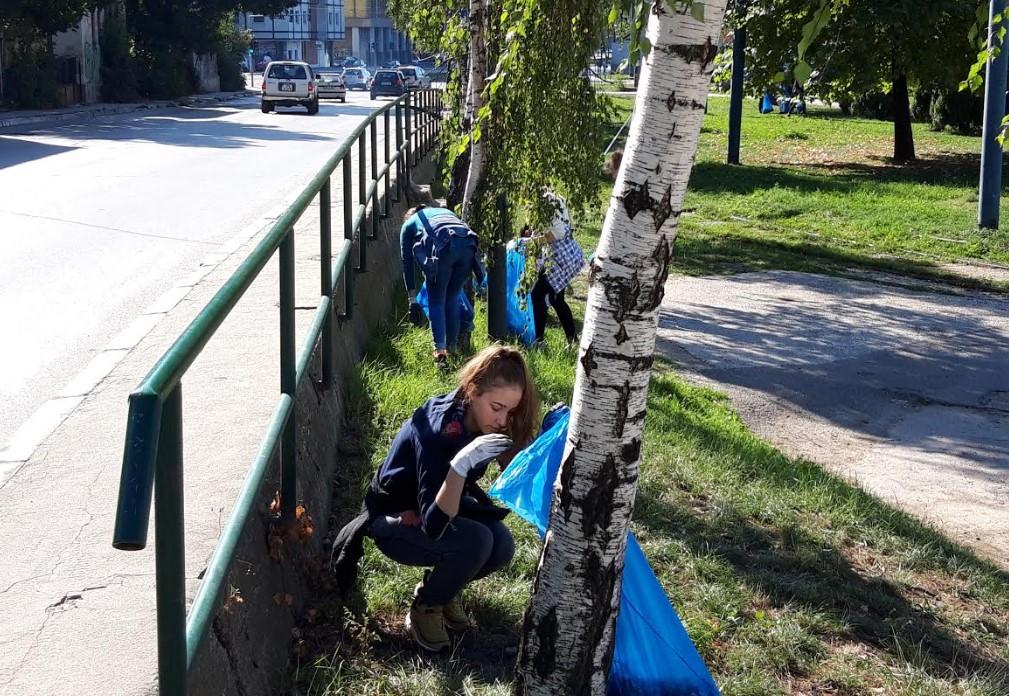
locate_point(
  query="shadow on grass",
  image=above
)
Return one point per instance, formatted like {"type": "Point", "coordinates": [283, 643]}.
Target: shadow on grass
{"type": "Point", "coordinates": [946, 169]}
{"type": "Point", "coordinates": [793, 567]}
{"type": "Point", "coordinates": [709, 254]}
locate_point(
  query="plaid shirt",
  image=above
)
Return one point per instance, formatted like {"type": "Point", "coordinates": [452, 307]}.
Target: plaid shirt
{"type": "Point", "coordinates": [565, 258]}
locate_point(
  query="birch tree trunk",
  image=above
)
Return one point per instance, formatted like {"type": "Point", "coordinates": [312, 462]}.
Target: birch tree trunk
{"type": "Point", "coordinates": [474, 97]}
{"type": "Point", "coordinates": [567, 642]}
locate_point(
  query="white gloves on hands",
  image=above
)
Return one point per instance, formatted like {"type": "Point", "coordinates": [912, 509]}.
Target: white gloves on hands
{"type": "Point", "coordinates": [481, 451]}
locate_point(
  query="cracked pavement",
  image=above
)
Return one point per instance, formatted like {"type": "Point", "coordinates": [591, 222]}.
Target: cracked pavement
{"type": "Point", "coordinates": [902, 390]}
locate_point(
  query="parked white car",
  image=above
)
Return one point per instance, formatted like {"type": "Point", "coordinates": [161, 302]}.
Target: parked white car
{"type": "Point", "coordinates": [357, 78]}
{"type": "Point", "coordinates": [289, 83]}
{"type": "Point", "coordinates": [415, 77]}
{"type": "Point", "coordinates": [330, 83]}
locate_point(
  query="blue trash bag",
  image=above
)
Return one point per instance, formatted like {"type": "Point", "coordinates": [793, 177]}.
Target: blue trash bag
{"type": "Point", "coordinates": [653, 655]}
{"type": "Point", "coordinates": [519, 319]}
{"type": "Point", "coordinates": [766, 104]}
{"type": "Point", "coordinates": [466, 313]}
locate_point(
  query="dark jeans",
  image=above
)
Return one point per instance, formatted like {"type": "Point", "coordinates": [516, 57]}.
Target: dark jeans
{"type": "Point", "coordinates": [468, 550]}
{"type": "Point", "coordinates": [454, 268]}
{"type": "Point", "coordinates": [542, 292]}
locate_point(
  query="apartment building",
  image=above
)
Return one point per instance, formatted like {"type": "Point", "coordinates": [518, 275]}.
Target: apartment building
{"type": "Point", "coordinates": [311, 31]}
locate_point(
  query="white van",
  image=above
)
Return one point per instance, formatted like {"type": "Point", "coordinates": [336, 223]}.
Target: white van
{"type": "Point", "coordinates": [290, 83]}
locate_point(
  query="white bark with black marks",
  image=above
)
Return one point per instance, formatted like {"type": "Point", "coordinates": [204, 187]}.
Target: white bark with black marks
{"type": "Point", "coordinates": [567, 642]}
{"type": "Point", "coordinates": [474, 97]}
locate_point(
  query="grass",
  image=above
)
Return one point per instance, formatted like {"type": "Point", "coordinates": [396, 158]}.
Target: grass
{"type": "Point", "coordinates": [788, 579]}
{"type": "Point", "coordinates": [821, 193]}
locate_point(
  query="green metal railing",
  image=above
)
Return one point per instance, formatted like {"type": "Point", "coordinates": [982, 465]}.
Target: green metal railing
{"type": "Point", "coordinates": [152, 457]}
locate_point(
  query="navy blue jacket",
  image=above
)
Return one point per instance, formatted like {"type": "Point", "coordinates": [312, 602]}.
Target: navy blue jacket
{"type": "Point", "coordinates": [418, 462]}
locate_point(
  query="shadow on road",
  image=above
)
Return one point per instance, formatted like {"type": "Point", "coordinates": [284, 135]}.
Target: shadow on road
{"type": "Point", "coordinates": [15, 151]}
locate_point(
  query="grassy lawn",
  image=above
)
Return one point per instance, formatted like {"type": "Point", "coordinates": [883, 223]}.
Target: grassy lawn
{"type": "Point", "coordinates": [788, 579]}
{"type": "Point", "coordinates": [820, 193]}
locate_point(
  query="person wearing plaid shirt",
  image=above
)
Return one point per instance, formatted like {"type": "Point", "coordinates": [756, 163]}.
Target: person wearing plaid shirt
{"type": "Point", "coordinates": [564, 260]}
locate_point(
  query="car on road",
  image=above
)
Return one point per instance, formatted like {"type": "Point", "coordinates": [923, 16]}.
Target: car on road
{"type": "Point", "coordinates": [289, 83]}
{"type": "Point", "coordinates": [330, 83]}
{"type": "Point", "coordinates": [387, 83]}
{"type": "Point", "coordinates": [415, 77]}
{"type": "Point", "coordinates": [356, 78]}
{"type": "Point", "coordinates": [391, 64]}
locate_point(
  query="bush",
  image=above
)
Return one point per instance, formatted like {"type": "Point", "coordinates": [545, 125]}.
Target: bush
{"type": "Point", "coordinates": [958, 112]}
{"type": "Point", "coordinates": [877, 105]}
{"type": "Point", "coordinates": [119, 82]}
{"type": "Point", "coordinates": [231, 44]}
{"type": "Point", "coordinates": [165, 72]}
{"type": "Point", "coordinates": [35, 77]}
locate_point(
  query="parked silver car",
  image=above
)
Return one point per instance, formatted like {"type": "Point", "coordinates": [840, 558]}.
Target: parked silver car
{"type": "Point", "coordinates": [415, 77]}
{"type": "Point", "coordinates": [289, 83]}
{"type": "Point", "coordinates": [356, 78]}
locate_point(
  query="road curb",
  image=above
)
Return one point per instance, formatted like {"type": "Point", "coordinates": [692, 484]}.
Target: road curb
{"type": "Point", "coordinates": [88, 113]}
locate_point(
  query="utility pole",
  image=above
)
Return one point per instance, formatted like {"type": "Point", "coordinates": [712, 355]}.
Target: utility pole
{"type": "Point", "coordinates": [990, 188]}
{"type": "Point", "coordinates": [736, 92]}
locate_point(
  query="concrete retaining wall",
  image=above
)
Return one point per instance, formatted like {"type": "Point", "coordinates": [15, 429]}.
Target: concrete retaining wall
{"type": "Point", "coordinates": [247, 652]}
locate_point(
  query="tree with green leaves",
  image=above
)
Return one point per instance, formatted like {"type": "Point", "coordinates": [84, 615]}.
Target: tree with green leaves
{"type": "Point", "coordinates": [843, 48]}
{"type": "Point", "coordinates": [167, 32]}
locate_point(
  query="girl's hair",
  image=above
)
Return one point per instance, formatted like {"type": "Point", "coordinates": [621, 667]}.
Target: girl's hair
{"type": "Point", "coordinates": [413, 211]}
{"type": "Point", "coordinates": [613, 163]}
{"type": "Point", "coordinates": [496, 366]}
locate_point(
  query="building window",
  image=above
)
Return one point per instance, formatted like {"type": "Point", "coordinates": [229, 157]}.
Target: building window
{"type": "Point", "coordinates": [258, 19]}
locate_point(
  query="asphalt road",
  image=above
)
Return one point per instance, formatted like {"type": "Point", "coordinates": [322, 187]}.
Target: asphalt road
{"type": "Point", "coordinates": [99, 219]}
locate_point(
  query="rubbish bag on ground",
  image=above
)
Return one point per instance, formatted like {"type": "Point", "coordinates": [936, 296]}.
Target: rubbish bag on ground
{"type": "Point", "coordinates": [653, 655]}
{"type": "Point", "coordinates": [466, 312]}
{"type": "Point", "coordinates": [519, 319]}
{"type": "Point", "coordinates": [767, 103]}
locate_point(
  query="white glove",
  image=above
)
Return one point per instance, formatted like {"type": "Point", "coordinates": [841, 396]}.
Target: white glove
{"type": "Point", "coordinates": [481, 451]}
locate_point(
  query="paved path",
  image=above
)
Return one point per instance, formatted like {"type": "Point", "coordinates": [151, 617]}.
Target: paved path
{"type": "Point", "coordinates": [905, 392]}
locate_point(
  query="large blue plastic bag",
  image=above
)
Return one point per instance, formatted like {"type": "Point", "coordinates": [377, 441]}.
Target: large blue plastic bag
{"type": "Point", "coordinates": [520, 321]}
{"type": "Point", "coordinates": [466, 313]}
{"type": "Point", "coordinates": [653, 655]}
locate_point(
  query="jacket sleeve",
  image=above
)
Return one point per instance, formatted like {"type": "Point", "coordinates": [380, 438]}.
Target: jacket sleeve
{"type": "Point", "coordinates": [431, 472]}
{"type": "Point", "coordinates": [407, 236]}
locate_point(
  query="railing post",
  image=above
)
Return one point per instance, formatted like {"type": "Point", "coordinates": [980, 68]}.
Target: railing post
{"type": "Point", "coordinates": [326, 276]}
{"type": "Point", "coordinates": [388, 172]}
{"type": "Point", "coordinates": [362, 190]}
{"type": "Point", "coordinates": [348, 236]}
{"type": "Point", "coordinates": [428, 120]}
{"type": "Point", "coordinates": [400, 184]}
{"type": "Point", "coordinates": [170, 550]}
{"type": "Point", "coordinates": [288, 382]}
{"type": "Point", "coordinates": [373, 133]}
{"type": "Point", "coordinates": [407, 108]}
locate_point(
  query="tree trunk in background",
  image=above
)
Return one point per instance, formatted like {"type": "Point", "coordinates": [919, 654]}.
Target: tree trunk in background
{"type": "Point", "coordinates": [903, 138]}
{"type": "Point", "coordinates": [567, 642]}
{"type": "Point", "coordinates": [474, 97]}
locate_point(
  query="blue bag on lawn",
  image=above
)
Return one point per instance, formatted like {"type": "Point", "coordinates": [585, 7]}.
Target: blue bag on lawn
{"type": "Point", "coordinates": [653, 655]}
{"type": "Point", "coordinates": [520, 321]}
{"type": "Point", "coordinates": [466, 312]}
{"type": "Point", "coordinates": [766, 104]}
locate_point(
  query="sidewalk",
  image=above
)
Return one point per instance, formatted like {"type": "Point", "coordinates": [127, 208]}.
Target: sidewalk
{"type": "Point", "coordinates": [15, 119]}
{"type": "Point", "coordinates": [77, 616]}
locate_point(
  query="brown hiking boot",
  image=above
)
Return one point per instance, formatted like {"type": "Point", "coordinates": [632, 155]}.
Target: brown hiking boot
{"type": "Point", "coordinates": [426, 623]}
{"type": "Point", "coordinates": [455, 616]}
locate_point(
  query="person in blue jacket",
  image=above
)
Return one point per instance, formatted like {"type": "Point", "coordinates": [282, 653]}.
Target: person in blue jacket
{"type": "Point", "coordinates": [424, 507]}
{"type": "Point", "coordinates": [447, 251]}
